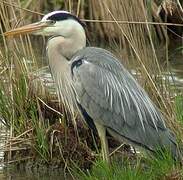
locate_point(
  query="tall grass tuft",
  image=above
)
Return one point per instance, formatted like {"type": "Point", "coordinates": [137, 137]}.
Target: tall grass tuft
{"type": "Point", "coordinates": [130, 169]}
{"type": "Point", "coordinates": [40, 127]}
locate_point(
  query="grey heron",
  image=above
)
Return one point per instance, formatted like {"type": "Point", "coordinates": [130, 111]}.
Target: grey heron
{"type": "Point", "coordinates": [93, 80]}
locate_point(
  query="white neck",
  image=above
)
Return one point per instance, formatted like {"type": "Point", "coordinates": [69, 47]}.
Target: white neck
{"type": "Point", "coordinates": [60, 50]}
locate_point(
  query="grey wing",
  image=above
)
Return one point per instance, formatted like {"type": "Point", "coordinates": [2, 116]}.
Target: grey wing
{"type": "Point", "coordinates": [112, 97]}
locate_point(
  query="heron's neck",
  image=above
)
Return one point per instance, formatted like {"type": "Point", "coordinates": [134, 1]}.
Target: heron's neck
{"type": "Point", "coordinates": [57, 60]}
{"type": "Point", "coordinates": [66, 46]}
{"type": "Point", "coordinates": [60, 51]}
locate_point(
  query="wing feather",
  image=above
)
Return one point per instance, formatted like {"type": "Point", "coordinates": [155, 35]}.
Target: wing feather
{"type": "Point", "coordinates": [112, 86]}
{"type": "Point", "coordinates": [114, 98]}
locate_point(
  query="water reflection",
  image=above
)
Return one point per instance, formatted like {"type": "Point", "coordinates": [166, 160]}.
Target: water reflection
{"type": "Point", "coordinates": [20, 175]}
{"type": "Point", "coordinates": [176, 69]}
{"type": "Point", "coordinates": [3, 135]}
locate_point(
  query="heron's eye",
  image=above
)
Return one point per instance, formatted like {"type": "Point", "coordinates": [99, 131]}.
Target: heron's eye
{"type": "Point", "coordinates": [52, 22]}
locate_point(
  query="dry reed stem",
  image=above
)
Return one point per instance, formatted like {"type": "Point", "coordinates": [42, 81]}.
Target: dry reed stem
{"type": "Point", "coordinates": [15, 149]}
{"type": "Point", "coordinates": [19, 7]}
{"type": "Point", "coordinates": [18, 160]}
{"type": "Point", "coordinates": [98, 20]}
{"type": "Point", "coordinates": [54, 110]}
{"type": "Point", "coordinates": [10, 143]}
{"type": "Point", "coordinates": [121, 145]}
{"type": "Point", "coordinates": [131, 22]}
{"type": "Point", "coordinates": [24, 133]}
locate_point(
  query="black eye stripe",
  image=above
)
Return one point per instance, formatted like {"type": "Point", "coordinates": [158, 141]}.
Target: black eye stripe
{"type": "Point", "coordinates": [64, 16]}
{"type": "Point", "coordinates": [52, 22]}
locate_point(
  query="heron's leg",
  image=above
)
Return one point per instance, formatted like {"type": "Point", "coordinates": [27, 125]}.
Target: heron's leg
{"type": "Point", "coordinates": [104, 143]}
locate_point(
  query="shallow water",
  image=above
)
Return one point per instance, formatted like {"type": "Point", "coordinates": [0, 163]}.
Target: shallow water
{"type": "Point", "coordinates": [17, 175]}
{"type": "Point", "coordinates": [3, 135]}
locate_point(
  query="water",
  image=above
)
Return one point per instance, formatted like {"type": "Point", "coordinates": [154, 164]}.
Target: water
{"type": "Point", "coordinates": [21, 175]}
{"type": "Point", "coordinates": [177, 72]}
{"type": "Point", "coordinates": [3, 135]}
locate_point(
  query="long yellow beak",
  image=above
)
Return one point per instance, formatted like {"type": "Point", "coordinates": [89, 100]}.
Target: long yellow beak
{"type": "Point", "coordinates": [26, 29]}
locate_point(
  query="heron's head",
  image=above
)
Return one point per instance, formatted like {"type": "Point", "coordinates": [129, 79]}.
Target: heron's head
{"type": "Point", "coordinates": [56, 23]}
